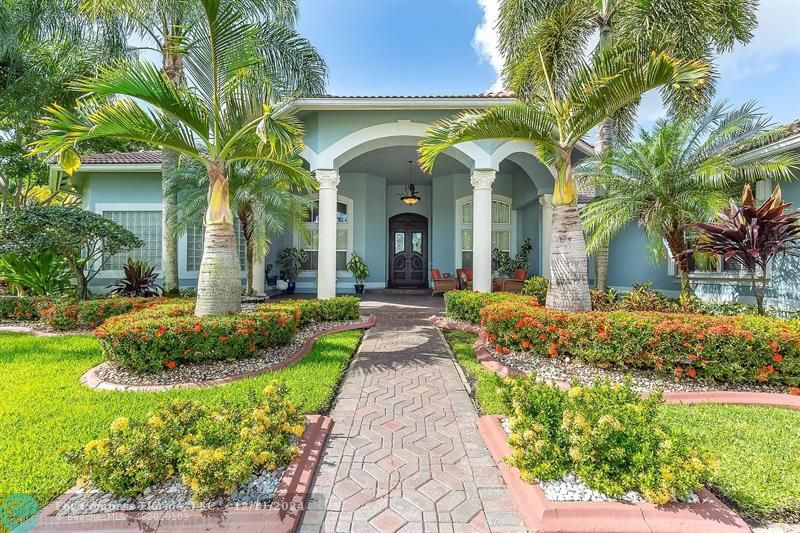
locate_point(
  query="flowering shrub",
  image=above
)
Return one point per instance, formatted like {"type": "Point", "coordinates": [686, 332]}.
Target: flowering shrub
{"type": "Point", "coordinates": [467, 305]}
{"type": "Point", "coordinates": [606, 434]}
{"type": "Point", "coordinates": [732, 349]}
{"type": "Point", "coordinates": [168, 334]}
{"type": "Point", "coordinates": [20, 307]}
{"type": "Point", "coordinates": [213, 451]}
{"type": "Point", "coordinates": [73, 314]}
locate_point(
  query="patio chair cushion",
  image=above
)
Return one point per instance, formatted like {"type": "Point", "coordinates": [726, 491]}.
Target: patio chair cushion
{"type": "Point", "coordinates": [435, 274]}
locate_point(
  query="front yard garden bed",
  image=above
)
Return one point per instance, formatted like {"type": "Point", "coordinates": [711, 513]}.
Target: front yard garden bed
{"type": "Point", "coordinates": [114, 377]}
{"type": "Point", "coordinates": [47, 410]}
{"type": "Point", "coordinates": [755, 447]}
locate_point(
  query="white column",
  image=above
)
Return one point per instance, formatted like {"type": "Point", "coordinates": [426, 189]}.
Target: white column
{"type": "Point", "coordinates": [546, 202]}
{"type": "Point", "coordinates": [482, 230]}
{"type": "Point", "coordinates": [763, 190]}
{"type": "Point", "coordinates": [326, 270]}
{"type": "Point", "coordinates": [259, 284]}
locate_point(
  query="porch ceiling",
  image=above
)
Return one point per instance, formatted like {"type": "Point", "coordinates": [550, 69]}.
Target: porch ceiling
{"type": "Point", "coordinates": [392, 163]}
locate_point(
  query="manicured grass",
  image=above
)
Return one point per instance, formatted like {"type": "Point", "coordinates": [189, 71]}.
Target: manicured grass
{"type": "Point", "coordinates": [44, 409]}
{"type": "Point", "coordinates": [757, 449]}
{"type": "Point", "coordinates": [484, 382]}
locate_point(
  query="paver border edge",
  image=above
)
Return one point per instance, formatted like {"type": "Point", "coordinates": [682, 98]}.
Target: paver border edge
{"type": "Point", "coordinates": [545, 516]}
{"type": "Point", "coordinates": [761, 399]}
{"type": "Point", "coordinates": [282, 516]}
{"type": "Point", "coordinates": [93, 381]}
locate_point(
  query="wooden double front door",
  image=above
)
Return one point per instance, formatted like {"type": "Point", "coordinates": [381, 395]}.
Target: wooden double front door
{"type": "Point", "coordinates": [408, 251]}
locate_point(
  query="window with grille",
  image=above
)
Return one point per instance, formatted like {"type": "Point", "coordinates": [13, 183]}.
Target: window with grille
{"type": "Point", "coordinates": [502, 228]}
{"type": "Point", "coordinates": [310, 242]}
{"type": "Point", "coordinates": [194, 246]}
{"type": "Point", "coordinates": [147, 226]}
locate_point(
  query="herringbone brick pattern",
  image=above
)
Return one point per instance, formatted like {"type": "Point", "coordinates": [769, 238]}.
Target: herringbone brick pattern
{"type": "Point", "coordinates": [405, 453]}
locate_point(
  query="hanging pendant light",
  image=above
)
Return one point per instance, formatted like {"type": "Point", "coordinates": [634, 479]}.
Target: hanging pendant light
{"type": "Point", "coordinates": [410, 197]}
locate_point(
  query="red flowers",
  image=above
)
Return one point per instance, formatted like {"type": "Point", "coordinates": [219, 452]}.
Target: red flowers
{"type": "Point", "coordinates": [169, 363]}
{"type": "Point", "coordinates": [774, 345]}
{"type": "Point", "coordinates": [692, 373]}
{"type": "Point", "coordinates": [777, 358]}
{"type": "Point", "coordinates": [223, 338]}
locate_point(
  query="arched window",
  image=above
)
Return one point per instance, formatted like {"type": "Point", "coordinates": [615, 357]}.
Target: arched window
{"type": "Point", "coordinates": [503, 228]}
{"type": "Point", "coordinates": [344, 235]}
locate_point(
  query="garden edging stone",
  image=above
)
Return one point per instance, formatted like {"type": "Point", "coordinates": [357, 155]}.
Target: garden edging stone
{"type": "Point", "coordinates": [92, 380]}
{"type": "Point", "coordinates": [766, 399]}
{"type": "Point", "coordinates": [281, 516]}
{"type": "Point", "coordinates": [545, 516]}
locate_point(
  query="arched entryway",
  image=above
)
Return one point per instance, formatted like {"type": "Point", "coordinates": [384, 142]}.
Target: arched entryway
{"type": "Point", "coordinates": [408, 251]}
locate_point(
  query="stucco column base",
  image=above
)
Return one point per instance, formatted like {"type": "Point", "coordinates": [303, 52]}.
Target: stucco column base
{"type": "Point", "coordinates": [326, 248]}
{"type": "Point", "coordinates": [481, 181]}
{"type": "Point", "coordinates": [259, 280]}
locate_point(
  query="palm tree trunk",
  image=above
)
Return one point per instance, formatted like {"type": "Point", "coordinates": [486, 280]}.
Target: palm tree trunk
{"type": "Point", "coordinates": [603, 141]}
{"type": "Point", "coordinates": [569, 283]}
{"type": "Point", "coordinates": [218, 285]}
{"type": "Point", "coordinates": [245, 221]}
{"type": "Point", "coordinates": [677, 247]}
{"type": "Point", "coordinates": [173, 68]}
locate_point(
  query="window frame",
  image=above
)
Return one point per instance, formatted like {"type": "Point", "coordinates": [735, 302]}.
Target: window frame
{"type": "Point", "coordinates": [460, 225]}
{"type": "Point", "coordinates": [718, 276]}
{"type": "Point", "coordinates": [297, 238]}
{"type": "Point", "coordinates": [101, 208]}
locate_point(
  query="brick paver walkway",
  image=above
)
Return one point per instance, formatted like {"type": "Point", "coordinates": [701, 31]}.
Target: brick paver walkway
{"type": "Point", "coordinates": [405, 453]}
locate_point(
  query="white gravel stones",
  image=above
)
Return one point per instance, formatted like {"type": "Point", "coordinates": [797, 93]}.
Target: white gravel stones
{"type": "Point", "coordinates": [193, 373]}
{"type": "Point", "coordinates": [571, 488]}
{"type": "Point", "coordinates": [257, 492]}
{"type": "Point", "coordinates": [569, 369]}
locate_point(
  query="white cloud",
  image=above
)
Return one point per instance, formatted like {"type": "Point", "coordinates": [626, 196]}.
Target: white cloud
{"type": "Point", "coordinates": [486, 42]}
{"type": "Point", "coordinates": [778, 33]}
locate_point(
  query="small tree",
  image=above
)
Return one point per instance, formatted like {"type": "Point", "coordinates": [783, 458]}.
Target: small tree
{"type": "Point", "coordinates": [84, 239]}
{"type": "Point", "coordinates": [752, 236]}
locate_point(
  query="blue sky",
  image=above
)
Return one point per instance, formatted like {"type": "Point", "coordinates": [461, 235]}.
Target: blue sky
{"type": "Point", "coordinates": [416, 47]}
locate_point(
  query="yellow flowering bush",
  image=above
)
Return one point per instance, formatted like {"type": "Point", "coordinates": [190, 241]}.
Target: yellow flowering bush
{"type": "Point", "coordinates": [605, 433]}
{"type": "Point", "coordinates": [213, 451]}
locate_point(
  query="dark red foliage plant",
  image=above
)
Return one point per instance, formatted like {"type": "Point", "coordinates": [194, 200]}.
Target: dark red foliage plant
{"type": "Point", "coordinates": [752, 236]}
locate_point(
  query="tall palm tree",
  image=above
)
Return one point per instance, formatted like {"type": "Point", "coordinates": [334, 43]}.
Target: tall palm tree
{"type": "Point", "coordinates": [266, 203]}
{"type": "Point", "coordinates": [684, 171]}
{"type": "Point", "coordinates": [684, 28]}
{"type": "Point", "coordinates": [235, 68]}
{"type": "Point", "coordinates": [574, 102]}
{"type": "Point", "coordinates": [162, 26]}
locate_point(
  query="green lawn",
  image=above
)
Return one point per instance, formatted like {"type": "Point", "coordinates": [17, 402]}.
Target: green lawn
{"type": "Point", "coordinates": [757, 448]}
{"type": "Point", "coordinates": [44, 409]}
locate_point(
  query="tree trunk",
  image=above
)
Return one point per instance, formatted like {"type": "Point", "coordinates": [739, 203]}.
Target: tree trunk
{"type": "Point", "coordinates": [173, 68]}
{"type": "Point", "coordinates": [677, 247]}
{"type": "Point", "coordinates": [758, 293]}
{"type": "Point", "coordinates": [603, 141]}
{"type": "Point", "coordinates": [569, 282]}
{"type": "Point", "coordinates": [219, 285]}
{"type": "Point", "coordinates": [81, 287]}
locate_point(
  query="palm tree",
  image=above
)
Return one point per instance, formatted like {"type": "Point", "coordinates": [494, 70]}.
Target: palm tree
{"type": "Point", "coordinates": [235, 70]}
{"type": "Point", "coordinates": [162, 26]}
{"type": "Point", "coordinates": [574, 102]}
{"type": "Point", "coordinates": [266, 203]}
{"type": "Point", "coordinates": [684, 172]}
{"type": "Point", "coordinates": [685, 29]}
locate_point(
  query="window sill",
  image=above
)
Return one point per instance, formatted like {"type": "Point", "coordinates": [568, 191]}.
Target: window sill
{"type": "Point", "coordinates": [718, 277]}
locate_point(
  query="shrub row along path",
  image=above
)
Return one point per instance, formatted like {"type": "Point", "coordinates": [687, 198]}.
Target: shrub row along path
{"type": "Point", "coordinates": [405, 453]}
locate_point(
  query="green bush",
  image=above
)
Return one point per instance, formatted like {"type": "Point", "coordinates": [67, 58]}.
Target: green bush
{"type": "Point", "coordinates": [213, 451]}
{"type": "Point", "coordinates": [536, 286]}
{"type": "Point", "coordinates": [606, 434]}
{"type": "Point", "coordinates": [644, 298]}
{"type": "Point", "coordinates": [689, 346]}
{"type": "Point", "coordinates": [70, 314]}
{"type": "Point", "coordinates": [169, 334]}
{"type": "Point", "coordinates": [467, 305]}
{"type": "Point", "coordinates": [20, 307]}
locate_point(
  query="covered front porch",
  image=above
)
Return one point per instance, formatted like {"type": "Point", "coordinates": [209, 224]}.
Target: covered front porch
{"type": "Point", "coordinates": [479, 197]}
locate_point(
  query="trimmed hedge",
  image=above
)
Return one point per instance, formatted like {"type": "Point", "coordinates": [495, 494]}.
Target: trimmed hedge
{"type": "Point", "coordinates": [70, 314]}
{"type": "Point", "coordinates": [467, 305]}
{"type": "Point", "coordinates": [20, 307]}
{"type": "Point", "coordinates": [169, 334]}
{"type": "Point", "coordinates": [731, 349]}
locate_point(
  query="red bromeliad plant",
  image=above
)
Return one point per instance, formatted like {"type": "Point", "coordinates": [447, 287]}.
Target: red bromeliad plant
{"type": "Point", "coordinates": [752, 236]}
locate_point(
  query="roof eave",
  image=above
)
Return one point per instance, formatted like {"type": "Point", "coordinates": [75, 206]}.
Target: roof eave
{"type": "Point", "coordinates": [390, 103]}
{"type": "Point", "coordinates": [787, 143]}
{"type": "Point", "coordinates": [113, 167]}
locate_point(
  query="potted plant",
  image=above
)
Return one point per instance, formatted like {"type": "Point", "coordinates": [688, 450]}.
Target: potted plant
{"type": "Point", "coordinates": [290, 260]}
{"type": "Point", "coordinates": [272, 279]}
{"type": "Point", "coordinates": [358, 268]}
